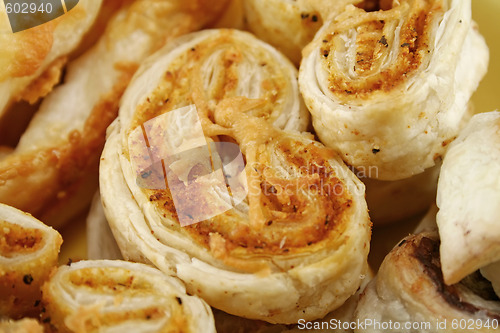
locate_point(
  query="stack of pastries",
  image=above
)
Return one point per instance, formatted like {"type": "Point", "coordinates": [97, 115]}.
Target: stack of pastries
{"type": "Point", "coordinates": [236, 155]}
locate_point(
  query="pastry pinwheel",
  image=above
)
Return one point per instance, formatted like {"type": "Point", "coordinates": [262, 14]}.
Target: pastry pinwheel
{"type": "Point", "coordinates": [114, 295]}
{"type": "Point", "coordinates": [28, 252]}
{"type": "Point", "coordinates": [206, 175]}
{"type": "Point", "coordinates": [390, 88]}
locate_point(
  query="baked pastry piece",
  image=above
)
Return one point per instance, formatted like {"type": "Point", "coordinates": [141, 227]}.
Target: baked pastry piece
{"type": "Point", "coordinates": [113, 295]}
{"type": "Point", "coordinates": [290, 25]}
{"type": "Point", "coordinates": [409, 292]}
{"type": "Point", "coordinates": [28, 252]}
{"type": "Point", "coordinates": [389, 88]}
{"type": "Point", "coordinates": [31, 60]}
{"type": "Point", "coordinates": [53, 171]}
{"type": "Point", "coordinates": [295, 246]}
{"type": "Point", "coordinates": [468, 196]}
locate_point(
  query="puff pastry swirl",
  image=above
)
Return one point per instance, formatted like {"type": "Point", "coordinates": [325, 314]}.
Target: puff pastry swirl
{"type": "Point", "coordinates": [28, 252]}
{"type": "Point", "coordinates": [293, 247]}
{"type": "Point", "coordinates": [389, 88]}
{"type": "Point", "coordinates": [114, 295]}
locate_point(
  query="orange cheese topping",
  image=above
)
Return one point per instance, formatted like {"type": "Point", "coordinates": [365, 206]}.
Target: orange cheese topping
{"type": "Point", "coordinates": [16, 240]}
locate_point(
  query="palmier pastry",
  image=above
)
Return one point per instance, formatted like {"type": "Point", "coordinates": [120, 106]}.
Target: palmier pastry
{"type": "Point", "coordinates": [409, 294]}
{"type": "Point", "coordinates": [389, 88]}
{"type": "Point", "coordinates": [290, 25]}
{"type": "Point", "coordinates": [198, 178]}
{"type": "Point", "coordinates": [53, 170]}
{"type": "Point", "coordinates": [28, 252]}
{"type": "Point", "coordinates": [114, 295]}
{"type": "Point", "coordinates": [31, 60]}
{"type": "Point", "coordinates": [468, 196]}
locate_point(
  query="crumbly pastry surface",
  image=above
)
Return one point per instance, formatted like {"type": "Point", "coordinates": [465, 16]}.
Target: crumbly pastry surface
{"type": "Point", "coordinates": [468, 196]}
{"type": "Point", "coordinates": [295, 247]}
{"type": "Point", "coordinates": [28, 252]}
{"type": "Point", "coordinates": [113, 295]}
{"type": "Point", "coordinates": [409, 288]}
{"type": "Point", "coordinates": [30, 66]}
{"type": "Point", "coordinates": [52, 173]}
{"type": "Point", "coordinates": [389, 88]}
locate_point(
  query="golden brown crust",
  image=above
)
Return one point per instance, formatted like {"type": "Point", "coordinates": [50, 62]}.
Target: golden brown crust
{"type": "Point", "coordinates": [62, 173]}
{"type": "Point", "coordinates": [43, 85]}
{"type": "Point", "coordinates": [54, 173]}
{"type": "Point", "coordinates": [27, 51]}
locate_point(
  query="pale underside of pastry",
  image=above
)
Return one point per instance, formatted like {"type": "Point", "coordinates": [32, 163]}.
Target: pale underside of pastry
{"type": "Point", "coordinates": [409, 292]}
{"type": "Point", "coordinates": [31, 64]}
{"type": "Point", "coordinates": [293, 245]}
{"type": "Point", "coordinates": [337, 321]}
{"type": "Point", "coordinates": [233, 16]}
{"type": "Point", "coordinates": [468, 196]}
{"type": "Point", "coordinates": [52, 173]}
{"type": "Point", "coordinates": [492, 273]}
{"type": "Point", "coordinates": [399, 200]}
{"type": "Point", "coordinates": [28, 252]}
{"type": "Point", "coordinates": [119, 296]}
{"type": "Point", "coordinates": [290, 25]}
{"type": "Point", "coordinates": [428, 222]}
{"type": "Point", "coordinates": [389, 88]}
{"type": "Point", "coordinates": [100, 241]}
